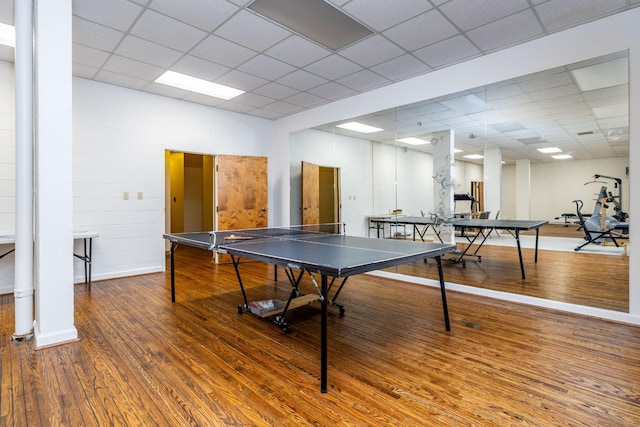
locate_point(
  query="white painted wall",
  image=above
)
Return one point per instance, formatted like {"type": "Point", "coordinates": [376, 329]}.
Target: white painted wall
{"type": "Point", "coordinates": [7, 172]}
{"type": "Point", "coordinates": [555, 185]}
{"type": "Point", "coordinates": [119, 138]}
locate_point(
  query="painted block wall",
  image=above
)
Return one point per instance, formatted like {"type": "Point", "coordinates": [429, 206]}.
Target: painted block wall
{"type": "Point", "coordinates": [7, 171]}
{"type": "Point", "coordinates": [119, 138]}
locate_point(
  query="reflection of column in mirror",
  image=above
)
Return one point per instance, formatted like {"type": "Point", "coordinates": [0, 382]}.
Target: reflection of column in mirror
{"type": "Point", "coordinates": [443, 184]}
{"type": "Point", "coordinates": [523, 188]}
{"type": "Point", "coordinates": [492, 180]}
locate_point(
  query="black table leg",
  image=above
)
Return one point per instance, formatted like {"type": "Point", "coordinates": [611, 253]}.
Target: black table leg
{"type": "Point", "coordinates": [520, 252]}
{"type": "Point", "coordinates": [323, 337]}
{"type": "Point", "coordinates": [444, 294]}
{"type": "Point", "coordinates": [173, 277]}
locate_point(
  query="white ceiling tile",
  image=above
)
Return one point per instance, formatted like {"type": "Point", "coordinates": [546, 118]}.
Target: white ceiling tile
{"type": "Point", "coordinates": [166, 31]}
{"type": "Point", "coordinates": [333, 67]}
{"type": "Point", "coordinates": [95, 35]}
{"type": "Point", "coordinates": [88, 56]}
{"type": "Point", "coordinates": [266, 67]}
{"type": "Point", "coordinates": [301, 80]}
{"type": "Point", "coordinates": [165, 90]}
{"type": "Point", "coordinates": [283, 107]}
{"type": "Point", "coordinates": [507, 31]}
{"type": "Point", "coordinates": [204, 14]}
{"type": "Point", "coordinates": [205, 100]}
{"type": "Point", "coordinates": [120, 80]}
{"type": "Point", "coordinates": [131, 68]}
{"type": "Point", "coordinates": [558, 14]}
{"type": "Point", "coordinates": [118, 14]}
{"type": "Point", "coordinates": [332, 91]}
{"type": "Point", "coordinates": [447, 52]}
{"type": "Point", "coordinates": [253, 100]}
{"type": "Point", "coordinates": [297, 51]}
{"type": "Point", "coordinates": [423, 30]}
{"type": "Point", "coordinates": [252, 31]}
{"type": "Point", "coordinates": [371, 51]}
{"type": "Point", "coordinates": [382, 14]}
{"type": "Point", "coordinates": [275, 90]}
{"type": "Point", "coordinates": [545, 82]}
{"type": "Point", "coordinates": [145, 51]}
{"type": "Point", "coordinates": [363, 80]}
{"type": "Point", "coordinates": [472, 14]}
{"type": "Point", "coordinates": [554, 92]}
{"type": "Point", "coordinates": [240, 80]}
{"type": "Point", "coordinates": [84, 71]}
{"type": "Point", "coordinates": [306, 100]}
{"type": "Point", "coordinates": [400, 68]}
{"type": "Point", "coordinates": [222, 51]}
{"type": "Point", "coordinates": [200, 68]}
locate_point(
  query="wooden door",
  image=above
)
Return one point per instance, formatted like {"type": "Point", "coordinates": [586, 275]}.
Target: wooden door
{"type": "Point", "coordinates": [310, 193]}
{"type": "Point", "coordinates": [242, 192]}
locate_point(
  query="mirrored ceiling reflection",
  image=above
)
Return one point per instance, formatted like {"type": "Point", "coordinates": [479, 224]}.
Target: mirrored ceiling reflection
{"type": "Point", "coordinates": [581, 110]}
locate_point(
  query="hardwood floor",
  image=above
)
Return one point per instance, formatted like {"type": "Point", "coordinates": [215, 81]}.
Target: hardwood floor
{"type": "Point", "coordinates": [142, 360]}
{"type": "Point", "coordinates": [594, 280]}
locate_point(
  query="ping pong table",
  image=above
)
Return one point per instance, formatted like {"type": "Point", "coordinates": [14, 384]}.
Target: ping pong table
{"type": "Point", "coordinates": [483, 228]}
{"type": "Point", "coordinates": [319, 249]}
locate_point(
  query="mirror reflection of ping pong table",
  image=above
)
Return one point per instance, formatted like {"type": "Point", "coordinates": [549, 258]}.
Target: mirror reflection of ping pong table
{"type": "Point", "coordinates": [309, 249]}
{"type": "Point", "coordinates": [483, 228]}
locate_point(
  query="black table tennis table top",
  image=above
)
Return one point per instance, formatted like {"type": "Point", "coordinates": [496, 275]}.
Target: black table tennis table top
{"type": "Point", "coordinates": [467, 222]}
{"type": "Point", "coordinates": [335, 255]}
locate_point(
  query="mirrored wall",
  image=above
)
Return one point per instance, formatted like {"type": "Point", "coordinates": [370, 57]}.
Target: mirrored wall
{"type": "Point", "coordinates": [568, 125]}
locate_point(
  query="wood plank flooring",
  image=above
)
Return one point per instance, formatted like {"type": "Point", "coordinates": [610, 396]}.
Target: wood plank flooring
{"type": "Point", "coordinates": [142, 360]}
{"type": "Point", "coordinates": [594, 280]}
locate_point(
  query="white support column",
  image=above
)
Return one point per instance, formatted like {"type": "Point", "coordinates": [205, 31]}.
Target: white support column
{"type": "Point", "coordinates": [23, 292]}
{"type": "Point", "coordinates": [492, 180]}
{"type": "Point", "coordinates": [523, 189]}
{"type": "Point", "coordinates": [54, 322]}
{"type": "Point", "coordinates": [443, 185]}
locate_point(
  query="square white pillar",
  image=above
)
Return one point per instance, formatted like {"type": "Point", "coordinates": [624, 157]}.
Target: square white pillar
{"type": "Point", "coordinates": [54, 321]}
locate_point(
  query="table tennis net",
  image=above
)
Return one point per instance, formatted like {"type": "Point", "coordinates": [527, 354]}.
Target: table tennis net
{"type": "Point", "coordinates": [221, 237]}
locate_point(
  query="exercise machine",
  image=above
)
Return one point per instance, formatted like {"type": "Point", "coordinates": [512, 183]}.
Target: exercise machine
{"type": "Point", "coordinates": [601, 228]}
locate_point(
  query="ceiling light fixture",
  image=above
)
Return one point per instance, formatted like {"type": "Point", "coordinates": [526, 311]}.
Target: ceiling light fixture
{"type": "Point", "coordinates": [549, 150]}
{"type": "Point", "coordinates": [359, 127]}
{"type": "Point", "coordinates": [562, 156]}
{"type": "Point", "coordinates": [413, 141]}
{"type": "Point", "coordinates": [474, 156]}
{"type": "Point", "coordinates": [315, 19]}
{"type": "Point", "coordinates": [194, 84]}
{"type": "Point", "coordinates": [7, 35]}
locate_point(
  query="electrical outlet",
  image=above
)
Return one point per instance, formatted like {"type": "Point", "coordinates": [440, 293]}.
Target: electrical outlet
{"type": "Point", "coordinates": [125, 195]}
{"type": "Point", "coordinates": [139, 195]}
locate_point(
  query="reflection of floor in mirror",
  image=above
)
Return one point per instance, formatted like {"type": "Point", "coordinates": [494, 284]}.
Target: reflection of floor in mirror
{"type": "Point", "coordinates": [585, 277]}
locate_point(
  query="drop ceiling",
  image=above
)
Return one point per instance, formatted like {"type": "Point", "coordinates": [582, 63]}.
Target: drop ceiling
{"type": "Point", "coordinates": [130, 43]}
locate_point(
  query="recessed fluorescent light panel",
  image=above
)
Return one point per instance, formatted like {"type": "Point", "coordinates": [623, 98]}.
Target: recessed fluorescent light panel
{"type": "Point", "coordinates": [603, 75]}
{"type": "Point", "coordinates": [7, 35]}
{"type": "Point", "coordinates": [314, 19]}
{"type": "Point", "coordinates": [359, 127]}
{"type": "Point", "coordinates": [562, 156]}
{"type": "Point", "coordinates": [474, 156]}
{"type": "Point", "coordinates": [194, 84]}
{"type": "Point", "coordinates": [549, 150]}
{"type": "Point", "coordinates": [413, 141]}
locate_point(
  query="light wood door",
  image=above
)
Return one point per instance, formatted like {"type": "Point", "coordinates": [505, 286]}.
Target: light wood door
{"type": "Point", "coordinates": [310, 193]}
{"type": "Point", "coordinates": [242, 192]}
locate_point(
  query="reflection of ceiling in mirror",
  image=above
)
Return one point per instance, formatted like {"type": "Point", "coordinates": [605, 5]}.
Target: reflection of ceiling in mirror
{"type": "Point", "coordinates": [581, 108]}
